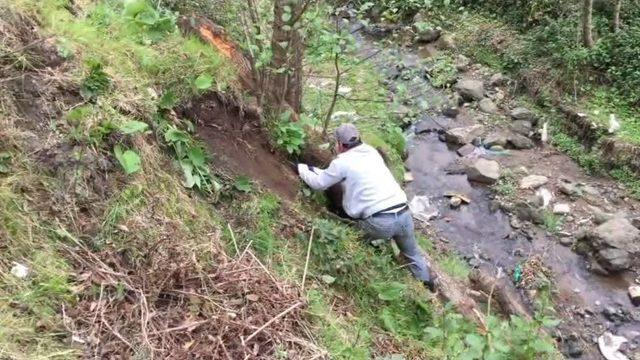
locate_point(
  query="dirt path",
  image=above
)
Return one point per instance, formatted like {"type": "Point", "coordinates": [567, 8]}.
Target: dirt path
{"type": "Point", "coordinates": [240, 144]}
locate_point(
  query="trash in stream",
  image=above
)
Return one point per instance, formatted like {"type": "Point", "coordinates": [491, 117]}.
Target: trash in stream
{"type": "Point", "coordinates": [517, 274]}
{"type": "Point", "coordinates": [609, 345]}
{"type": "Point", "coordinates": [422, 209]}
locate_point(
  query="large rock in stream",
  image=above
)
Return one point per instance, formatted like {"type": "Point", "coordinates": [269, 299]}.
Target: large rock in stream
{"type": "Point", "coordinates": [484, 171]}
{"type": "Point", "coordinates": [614, 244]}
{"type": "Point", "coordinates": [463, 135]}
{"type": "Point", "coordinates": [470, 89]}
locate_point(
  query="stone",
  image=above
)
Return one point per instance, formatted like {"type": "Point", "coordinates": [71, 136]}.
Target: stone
{"type": "Point", "coordinates": [497, 79]}
{"type": "Point", "coordinates": [496, 139]}
{"type": "Point", "coordinates": [428, 35]}
{"type": "Point", "coordinates": [573, 349]}
{"type": "Point", "coordinates": [527, 212]}
{"type": "Point", "coordinates": [455, 202]}
{"type": "Point", "coordinates": [445, 42]}
{"type": "Point", "coordinates": [614, 260]}
{"type": "Point", "coordinates": [634, 294]}
{"type": "Point", "coordinates": [463, 135]}
{"type": "Point", "coordinates": [636, 222]}
{"type": "Point", "coordinates": [487, 106]}
{"type": "Point", "coordinates": [484, 171]}
{"type": "Point", "coordinates": [470, 89]}
{"type": "Point", "coordinates": [525, 114]}
{"type": "Point", "coordinates": [408, 177]}
{"type": "Point", "coordinates": [533, 181]}
{"type": "Point", "coordinates": [566, 241]}
{"type": "Point", "coordinates": [522, 127]}
{"type": "Point", "coordinates": [618, 233]}
{"type": "Point", "coordinates": [520, 142]}
{"type": "Point", "coordinates": [462, 63]}
{"type": "Point", "coordinates": [561, 209]}
{"type": "Point", "coordinates": [450, 111]}
{"type": "Point", "coordinates": [466, 150]}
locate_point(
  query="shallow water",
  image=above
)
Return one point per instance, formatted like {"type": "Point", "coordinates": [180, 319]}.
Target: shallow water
{"type": "Point", "coordinates": [474, 230]}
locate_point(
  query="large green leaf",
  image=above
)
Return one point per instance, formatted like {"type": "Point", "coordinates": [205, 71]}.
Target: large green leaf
{"type": "Point", "coordinates": [243, 184]}
{"type": "Point", "coordinates": [203, 82]}
{"type": "Point", "coordinates": [133, 127]}
{"type": "Point", "coordinates": [134, 7]}
{"type": "Point", "coordinates": [128, 159]}
{"type": "Point", "coordinates": [167, 101]}
{"type": "Point", "coordinates": [196, 155]}
{"type": "Point", "coordinates": [390, 291]}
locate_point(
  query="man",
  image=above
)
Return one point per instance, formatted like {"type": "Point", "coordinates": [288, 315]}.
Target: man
{"type": "Point", "coordinates": [372, 195]}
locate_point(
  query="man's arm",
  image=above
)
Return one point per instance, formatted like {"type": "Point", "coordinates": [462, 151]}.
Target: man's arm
{"type": "Point", "coordinates": [319, 179]}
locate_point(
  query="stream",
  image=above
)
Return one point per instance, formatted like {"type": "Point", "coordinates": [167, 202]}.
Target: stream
{"type": "Point", "coordinates": [478, 231]}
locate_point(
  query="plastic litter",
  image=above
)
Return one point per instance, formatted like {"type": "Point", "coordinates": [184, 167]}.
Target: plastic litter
{"type": "Point", "coordinates": [422, 209]}
{"type": "Point", "coordinates": [19, 270]}
{"type": "Point", "coordinates": [517, 274]}
{"type": "Point", "coordinates": [609, 345]}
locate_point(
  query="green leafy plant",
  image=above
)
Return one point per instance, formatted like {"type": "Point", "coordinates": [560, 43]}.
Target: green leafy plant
{"type": "Point", "coordinates": [128, 159]}
{"type": "Point", "coordinates": [551, 222]}
{"type": "Point", "coordinates": [5, 161]}
{"type": "Point", "coordinates": [152, 24]}
{"type": "Point", "coordinates": [289, 135]}
{"type": "Point", "coordinates": [96, 83]}
{"type": "Point", "coordinates": [243, 184]}
{"type": "Point", "coordinates": [192, 160]}
{"type": "Point", "coordinates": [390, 291]}
{"type": "Point", "coordinates": [203, 82]}
{"type": "Point", "coordinates": [442, 71]}
{"type": "Point", "coordinates": [133, 127]}
{"type": "Point", "coordinates": [167, 101]}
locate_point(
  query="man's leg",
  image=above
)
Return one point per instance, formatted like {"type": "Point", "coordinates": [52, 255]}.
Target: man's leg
{"type": "Point", "coordinates": [377, 230]}
{"type": "Point", "coordinates": [406, 240]}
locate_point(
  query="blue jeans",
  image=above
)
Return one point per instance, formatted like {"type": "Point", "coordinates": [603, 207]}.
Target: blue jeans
{"type": "Point", "coordinates": [399, 228]}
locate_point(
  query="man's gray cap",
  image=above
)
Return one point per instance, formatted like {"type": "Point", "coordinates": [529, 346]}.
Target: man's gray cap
{"type": "Point", "coordinates": [347, 134]}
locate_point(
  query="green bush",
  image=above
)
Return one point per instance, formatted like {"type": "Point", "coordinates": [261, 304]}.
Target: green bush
{"type": "Point", "coordinates": [618, 56]}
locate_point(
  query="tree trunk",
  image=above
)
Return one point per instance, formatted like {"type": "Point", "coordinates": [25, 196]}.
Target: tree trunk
{"type": "Point", "coordinates": [587, 11]}
{"type": "Point", "coordinates": [285, 85]}
{"type": "Point", "coordinates": [616, 15]}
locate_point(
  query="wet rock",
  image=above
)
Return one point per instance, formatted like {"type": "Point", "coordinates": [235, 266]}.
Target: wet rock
{"type": "Point", "coordinates": [445, 42]}
{"type": "Point", "coordinates": [487, 106]}
{"type": "Point", "coordinates": [614, 260]}
{"type": "Point", "coordinates": [455, 169]}
{"type": "Point", "coordinates": [524, 114]}
{"type": "Point", "coordinates": [463, 135]}
{"type": "Point", "coordinates": [561, 209]}
{"type": "Point", "coordinates": [615, 315]}
{"type": "Point", "coordinates": [497, 79]}
{"type": "Point", "coordinates": [527, 212]}
{"type": "Point", "coordinates": [428, 35]}
{"type": "Point", "coordinates": [573, 348]}
{"type": "Point", "coordinates": [515, 223]}
{"type": "Point", "coordinates": [484, 171]}
{"type": "Point", "coordinates": [450, 111]}
{"type": "Point", "coordinates": [499, 139]}
{"type": "Point", "coordinates": [466, 150]}
{"type": "Point", "coordinates": [470, 89]}
{"type": "Point", "coordinates": [634, 294]}
{"type": "Point", "coordinates": [636, 222]}
{"type": "Point", "coordinates": [520, 142]}
{"type": "Point", "coordinates": [533, 181]}
{"type": "Point", "coordinates": [462, 63]}
{"type": "Point", "coordinates": [455, 202]}
{"type": "Point", "coordinates": [566, 241]}
{"type": "Point", "coordinates": [613, 244]}
{"type": "Point", "coordinates": [522, 127]}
